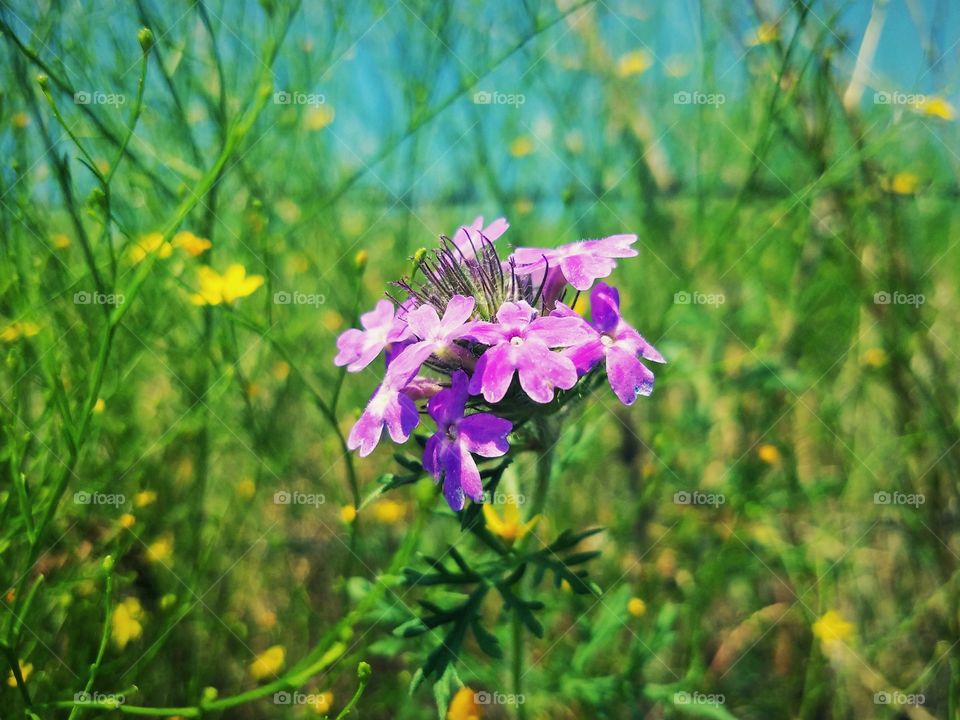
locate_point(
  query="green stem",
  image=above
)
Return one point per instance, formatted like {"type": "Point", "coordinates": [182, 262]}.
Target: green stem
{"type": "Point", "coordinates": [517, 664]}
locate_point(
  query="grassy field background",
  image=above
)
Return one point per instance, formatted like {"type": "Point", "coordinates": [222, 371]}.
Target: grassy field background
{"type": "Point", "coordinates": [781, 519]}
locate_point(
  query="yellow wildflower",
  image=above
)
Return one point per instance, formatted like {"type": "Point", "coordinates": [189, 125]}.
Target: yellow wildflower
{"type": "Point", "coordinates": [522, 146]}
{"type": "Point", "coordinates": [935, 107]}
{"type": "Point", "coordinates": [636, 607]}
{"type": "Point", "coordinates": [25, 670]}
{"type": "Point", "coordinates": [509, 527]}
{"type": "Point", "coordinates": [144, 498]}
{"type": "Point", "coordinates": [127, 520]}
{"type": "Point", "coordinates": [832, 627]}
{"type": "Point", "coordinates": [388, 511]}
{"type": "Point", "coordinates": [764, 34]}
{"type": "Point", "coordinates": [360, 259]}
{"type": "Point", "coordinates": [61, 241]}
{"type": "Point", "coordinates": [126, 622]}
{"type": "Point", "coordinates": [903, 183]}
{"type": "Point", "coordinates": [266, 619]}
{"type": "Point", "coordinates": [233, 284]}
{"type": "Point", "coordinates": [769, 454]}
{"type": "Point", "coordinates": [16, 330]}
{"type": "Point", "coordinates": [161, 549]}
{"type": "Point", "coordinates": [523, 206]}
{"type": "Point", "coordinates": [321, 703]}
{"type": "Point", "coordinates": [318, 117]}
{"type": "Point", "coordinates": [348, 513]}
{"type": "Point", "coordinates": [150, 243]}
{"type": "Point", "coordinates": [190, 243]}
{"type": "Point", "coordinates": [268, 663]}
{"type": "Point", "coordinates": [21, 120]}
{"type": "Point", "coordinates": [464, 705]}
{"type": "Point", "coordinates": [634, 63]}
{"type": "Point", "coordinates": [99, 406]}
{"type": "Point", "coordinates": [246, 488]}
{"type": "Point", "coordinates": [281, 370]}
{"type": "Point", "coordinates": [875, 357]}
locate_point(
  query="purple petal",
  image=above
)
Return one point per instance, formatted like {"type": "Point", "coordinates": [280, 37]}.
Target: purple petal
{"type": "Point", "coordinates": [380, 316]}
{"type": "Point", "coordinates": [406, 364]}
{"type": "Point", "coordinates": [484, 332]}
{"type": "Point", "coordinates": [581, 270]}
{"type": "Point", "coordinates": [493, 373]}
{"type": "Point", "coordinates": [627, 375]}
{"type": "Point", "coordinates": [515, 315]}
{"type": "Point", "coordinates": [457, 313]}
{"type": "Point", "coordinates": [495, 229]}
{"type": "Point", "coordinates": [559, 331]}
{"type": "Point", "coordinates": [401, 417]}
{"type": "Point", "coordinates": [461, 476]}
{"type": "Point", "coordinates": [541, 370]}
{"type": "Point", "coordinates": [431, 458]}
{"type": "Point", "coordinates": [586, 356]}
{"type": "Point", "coordinates": [605, 307]}
{"type": "Point", "coordinates": [365, 434]}
{"type": "Point", "coordinates": [423, 321]}
{"type": "Point", "coordinates": [447, 406]}
{"type": "Point", "coordinates": [485, 434]}
{"type": "Point", "coordinates": [349, 346]}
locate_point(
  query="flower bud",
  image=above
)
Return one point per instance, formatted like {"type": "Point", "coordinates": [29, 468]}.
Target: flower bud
{"type": "Point", "coordinates": [364, 670]}
{"type": "Point", "coordinates": [145, 38]}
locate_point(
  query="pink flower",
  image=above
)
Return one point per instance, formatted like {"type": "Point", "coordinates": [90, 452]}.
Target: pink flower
{"type": "Point", "coordinates": [447, 455]}
{"type": "Point", "coordinates": [578, 263]}
{"type": "Point", "coordinates": [520, 342]}
{"type": "Point", "coordinates": [616, 343]}
{"type": "Point", "coordinates": [359, 348]}
{"type": "Point", "coordinates": [469, 238]}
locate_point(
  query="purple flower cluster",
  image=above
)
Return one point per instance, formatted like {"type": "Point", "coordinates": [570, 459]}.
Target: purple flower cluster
{"type": "Point", "coordinates": [500, 344]}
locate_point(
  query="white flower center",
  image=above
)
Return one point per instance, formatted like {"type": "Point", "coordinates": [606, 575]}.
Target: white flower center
{"type": "Point", "coordinates": [516, 340]}
{"type": "Point", "coordinates": [606, 340]}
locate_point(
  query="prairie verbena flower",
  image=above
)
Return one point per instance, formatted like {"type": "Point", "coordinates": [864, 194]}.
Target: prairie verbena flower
{"type": "Point", "coordinates": [484, 342]}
